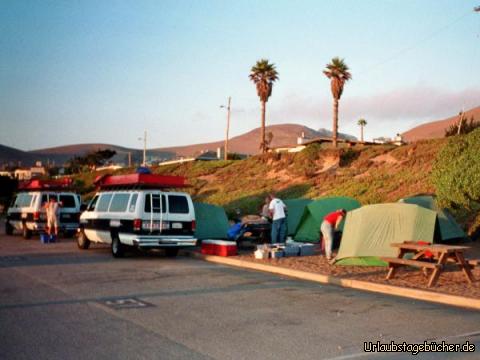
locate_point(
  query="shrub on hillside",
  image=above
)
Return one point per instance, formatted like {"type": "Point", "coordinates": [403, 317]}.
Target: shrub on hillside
{"type": "Point", "coordinates": [456, 171]}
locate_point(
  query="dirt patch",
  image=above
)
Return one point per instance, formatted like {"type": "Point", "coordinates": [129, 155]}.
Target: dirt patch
{"type": "Point", "coordinates": [385, 158]}
{"type": "Point", "coordinates": [451, 281]}
{"type": "Point", "coordinates": [328, 163]}
{"type": "Point", "coordinates": [209, 178]}
{"type": "Point", "coordinates": [281, 175]}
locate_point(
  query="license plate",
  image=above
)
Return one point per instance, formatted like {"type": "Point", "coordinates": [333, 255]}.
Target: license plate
{"type": "Point", "coordinates": [155, 225]}
{"type": "Point", "coordinates": [177, 225]}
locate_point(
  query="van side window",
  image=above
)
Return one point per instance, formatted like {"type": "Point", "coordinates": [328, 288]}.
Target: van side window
{"type": "Point", "coordinates": [133, 203]}
{"type": "Point", "coordinates": [68, 201]}
{"type": "Point", "coordinates": [119, 202]}
{"type": "Point", "coordinates": [26, 200]}
{"type": "Point", "coordinates": [104, 202]}
{"type": "Point", "coordinates": [153, 200]}
{"type": "Point", "coordinates": [177, 204]}
{"type": "Point", "coordinates": [44, 199]}
{"type": "Point", "coordinates": [93, 203]}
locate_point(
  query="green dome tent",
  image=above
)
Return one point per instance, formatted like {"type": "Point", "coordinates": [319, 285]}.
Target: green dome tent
{"type": "Point", "coordinates": [295, 209]}
{"type": "Point", "coordinates": [211, 221]}
{"type": "Point", "coordinates": [370, 230]}
{"type": "Point", "coordinates": [449, 228]}
{"type": "Point", "coordinates": [308, 229]}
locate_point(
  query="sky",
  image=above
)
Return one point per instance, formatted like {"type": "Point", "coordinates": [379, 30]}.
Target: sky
{"type": "Point", "coordinates": [83, 71]}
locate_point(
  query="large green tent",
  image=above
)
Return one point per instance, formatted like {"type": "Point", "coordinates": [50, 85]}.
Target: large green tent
{"type": "Point", "coordinates": [370, 231]}
{"type": "Point", "coordinates": [295, 209]}
{"type": "Point", "coordinates": [449, 228]}
{"type": "Point", "coordinates": [211, 221]}
{"type": "Point", "coordinates": [308, 229]}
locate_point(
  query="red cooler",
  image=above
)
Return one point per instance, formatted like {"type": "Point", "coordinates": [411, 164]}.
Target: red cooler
{"type": "Point", "coordinates": [219, 247]}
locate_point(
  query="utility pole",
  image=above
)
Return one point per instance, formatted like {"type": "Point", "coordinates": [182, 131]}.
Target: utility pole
{"type": "Point", "coordinates": [228, 127]}
{"type": "Point", "coordinates": [129, 159]}
{"type": "Point", "coordinates": [145, 148]}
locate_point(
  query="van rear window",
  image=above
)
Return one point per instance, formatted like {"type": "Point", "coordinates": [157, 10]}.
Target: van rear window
{"type": "Point", "coordinates": [23, 200]}
{"type": "Point", "coordinates": [177, 204]}
{"type": "Point", "coordinates": [152, 201]}
{"type": "Point", "coordinates": [68, 201]}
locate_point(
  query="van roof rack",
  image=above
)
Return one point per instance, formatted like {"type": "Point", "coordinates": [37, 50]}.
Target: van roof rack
{"type": "Point", "coordinates": [140, 181]}
{"type": "Point", "coordinates": [38, 184]}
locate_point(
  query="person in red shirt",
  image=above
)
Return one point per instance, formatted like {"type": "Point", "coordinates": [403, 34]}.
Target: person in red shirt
{"type": "Point", "coordinates": [329, 225]}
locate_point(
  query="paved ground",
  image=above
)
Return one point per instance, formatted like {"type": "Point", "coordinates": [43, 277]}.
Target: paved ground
{"type": "Point", "coordinates": [57, 302]}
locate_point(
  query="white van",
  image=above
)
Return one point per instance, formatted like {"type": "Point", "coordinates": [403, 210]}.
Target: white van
{"type": "Point", "coordinates": [146, 218]}
{"type": "Point", "coordinates": [27, 213]}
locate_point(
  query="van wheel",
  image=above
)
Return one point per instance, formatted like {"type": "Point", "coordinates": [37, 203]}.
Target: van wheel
{"type": "Point", "coordinates": [8, 228]}
{"type": "Point", "coordinates": [118, 249]}
{"type": "Point", "coordinates": [82, 241]}
{"type": "Point", "coordinates": [27, 234]}
{"type": "Point", "coordinates": [171, 252]}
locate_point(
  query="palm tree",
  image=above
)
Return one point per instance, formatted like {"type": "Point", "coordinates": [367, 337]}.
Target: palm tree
{"type": "Point", "coordinates": [263, 74]}
{"type": "Point", "coordinates": [338, 73]}
{"type": "Point", "coordinates": [361, 123]}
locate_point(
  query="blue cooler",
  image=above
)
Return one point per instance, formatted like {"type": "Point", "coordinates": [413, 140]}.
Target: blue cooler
{"type": "Point", "coordinates": [44, 238]}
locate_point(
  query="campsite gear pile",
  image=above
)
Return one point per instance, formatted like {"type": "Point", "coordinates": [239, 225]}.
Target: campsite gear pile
{"type": "Point", "coordinates": [219, 247]}
{"type": "Point", "coordinates": [288, 249]}
{"type": "Point", "coordinates": [367, 232]}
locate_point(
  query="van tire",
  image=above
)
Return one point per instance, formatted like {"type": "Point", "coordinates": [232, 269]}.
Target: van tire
{"type": "Point", "coordinates": [8, 228]}
{"type": "Point", "coordinates": [118, 249]}
{"type": "Point", "coordinates": [171, 252]}
{"type": "Point", "coordinates": [82, 240]}
{"type": "Point", "coordinates": [26, 233]}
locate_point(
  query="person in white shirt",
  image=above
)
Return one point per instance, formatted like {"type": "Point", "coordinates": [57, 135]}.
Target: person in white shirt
{"type": "Point", "coordinates": [279, 219]}
{"type": "Point", "coordinates": [53, 211]}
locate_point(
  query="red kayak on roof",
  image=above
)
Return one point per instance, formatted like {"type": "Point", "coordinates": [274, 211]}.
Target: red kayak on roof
{"type": "Point", "coordinates": [140, 180]}
{"type": "Point", "coordinates": [37, 184]}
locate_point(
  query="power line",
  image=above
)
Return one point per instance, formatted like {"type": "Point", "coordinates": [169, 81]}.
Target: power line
{"type": "Point", "coordinates": [421, 41]}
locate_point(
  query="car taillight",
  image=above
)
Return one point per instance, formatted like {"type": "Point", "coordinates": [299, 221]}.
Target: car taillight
{"type": "Point", "coordinates": [36, 216]}
{"type": "Point", "coordinates": [194, 225]}
{"type": "Point", "coordinates": [137, 224]}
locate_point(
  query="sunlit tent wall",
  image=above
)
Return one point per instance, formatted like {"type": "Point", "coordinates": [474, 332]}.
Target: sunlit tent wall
{"type": "Point", "coordinates": [308, 229]}
{"type": "Point", "coordinates": [370, 231]}
{"type": "Point", "coordinates": [211, 221]}
{"type": "Point", "coordinates": [449, 228]}
{"type": "Point", "coordinates": [295, 209]}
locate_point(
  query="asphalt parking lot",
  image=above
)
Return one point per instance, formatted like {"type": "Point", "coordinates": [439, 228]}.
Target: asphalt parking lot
{"type": "Point", "coordinates": [59, 302]}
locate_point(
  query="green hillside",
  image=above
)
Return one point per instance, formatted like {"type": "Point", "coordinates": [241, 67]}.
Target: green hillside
{"type": "Point", "coordinates": [371, 174]}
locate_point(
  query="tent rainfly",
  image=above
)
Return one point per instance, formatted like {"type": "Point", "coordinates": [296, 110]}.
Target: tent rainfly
{"type": "Point", "coordinates": [449, 228]}
{"type": "Point", "coordinates": [308, 229]}
{"type": "Point", "coordinates": [211, 221]}
{"type": "Point", "coordinates": [370, 230]}
{"type": "Point", "coordinates": [295, 208]}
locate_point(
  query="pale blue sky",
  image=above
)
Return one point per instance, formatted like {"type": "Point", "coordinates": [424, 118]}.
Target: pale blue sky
{"type": "Point", "coordinates": [103, 71]}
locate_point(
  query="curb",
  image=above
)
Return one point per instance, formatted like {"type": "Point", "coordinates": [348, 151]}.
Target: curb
{"type": "Point", "coordinates": [445, 299]}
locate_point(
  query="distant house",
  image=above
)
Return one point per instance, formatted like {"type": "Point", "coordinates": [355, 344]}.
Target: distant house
{"type": "Point", "coordinates": [109, 167]}
{"type": "Point", "coordinates": [37, 171]}
{"type": "Point", "coordinates": [7, 174]}
{"type": "Point", "coordinates": [22, 174]}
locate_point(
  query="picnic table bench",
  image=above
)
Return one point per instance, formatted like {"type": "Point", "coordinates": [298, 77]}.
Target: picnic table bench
{"type": "Point", "coordinates": [429, 257]}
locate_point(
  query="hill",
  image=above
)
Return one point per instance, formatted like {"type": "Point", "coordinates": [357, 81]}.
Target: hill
{"type": "Point", "coordinates": [436, 129]}
{"type": "Point", "coordinates": [9, 155]}
{"type": "Point", "coordinates": [61, 154]}
{"type": "Point", "coordinates": [285, 134]}
{"type": "Point", "coordinates": [248, 143]}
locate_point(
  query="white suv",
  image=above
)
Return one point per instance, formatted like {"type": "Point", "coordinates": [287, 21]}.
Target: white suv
{"type": "Point", "coordinates": [146, 218]}
{"type": "Point", "coordinates": [27, 213]}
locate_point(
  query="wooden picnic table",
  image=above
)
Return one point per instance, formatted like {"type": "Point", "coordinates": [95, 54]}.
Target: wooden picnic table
{"type": "Point", "coordinates": [429, 257]}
